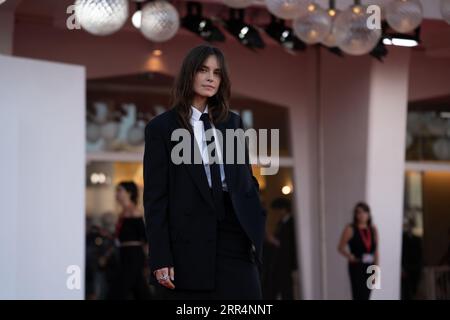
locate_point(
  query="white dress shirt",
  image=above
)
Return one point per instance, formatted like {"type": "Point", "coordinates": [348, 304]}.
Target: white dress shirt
{"type": "Point", "coordinates": [200, 137]}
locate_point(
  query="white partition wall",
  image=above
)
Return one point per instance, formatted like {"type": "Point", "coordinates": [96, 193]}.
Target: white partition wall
{"type": "Point", "coordinates": [42, 165]}
{"type": "Point", "coordinates": [344, 117]}
{"type": "Point", "coordinates": [388, 105]}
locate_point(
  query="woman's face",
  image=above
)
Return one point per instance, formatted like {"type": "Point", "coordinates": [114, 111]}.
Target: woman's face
{"type": "Point", "coordinates": [361, 215]}
{"type": "Point", "coordinates": [122, 195]}
{"type": "Point", "coordinates": [208, 77]}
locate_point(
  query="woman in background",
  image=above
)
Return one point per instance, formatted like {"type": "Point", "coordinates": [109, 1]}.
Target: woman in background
{"type": "Point", "coordinates": [361, 237]}
{"type": "Point", "coordinates": [130, 282]}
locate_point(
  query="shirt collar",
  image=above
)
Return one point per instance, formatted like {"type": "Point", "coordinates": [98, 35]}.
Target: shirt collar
{"type": "Point", "coordinates": [196, 114]}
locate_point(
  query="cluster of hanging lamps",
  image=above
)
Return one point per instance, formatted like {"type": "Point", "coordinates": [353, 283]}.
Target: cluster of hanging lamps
{"type": "Point", "coordinates": [158, 20]}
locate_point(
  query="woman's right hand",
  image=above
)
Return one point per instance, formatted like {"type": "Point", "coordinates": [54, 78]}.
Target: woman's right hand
{"type": "Point", "coordinates": [165, 276]}
{"type": "Point", "coordinates": [352, 259]}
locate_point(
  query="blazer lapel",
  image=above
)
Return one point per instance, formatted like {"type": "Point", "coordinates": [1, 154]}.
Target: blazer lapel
{"type": "Point", "coordinates": [196, 171]}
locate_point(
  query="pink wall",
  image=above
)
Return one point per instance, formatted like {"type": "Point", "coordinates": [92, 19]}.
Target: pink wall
{"type": "Point", "coordinates": [7, 27]}
{"type": "Point", "coordinates": [429, 77]}
{"type": "Point", "coordinates": [128, 52]}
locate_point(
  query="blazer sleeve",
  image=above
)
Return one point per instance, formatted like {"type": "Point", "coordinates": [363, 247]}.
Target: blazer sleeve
{"type": "Point", "coordinates": [156, 197]}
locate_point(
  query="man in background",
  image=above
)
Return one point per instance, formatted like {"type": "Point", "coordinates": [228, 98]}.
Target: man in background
{"type": "Point", "coordinates": [284, 252]}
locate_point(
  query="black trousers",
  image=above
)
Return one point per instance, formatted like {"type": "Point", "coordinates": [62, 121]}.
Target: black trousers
{"type": "Point", "coordinates": [358, 279]}
{"type": "Point", "coordinates": [129, 281]}
{"type": "Point", "coordinates": [237, 275]}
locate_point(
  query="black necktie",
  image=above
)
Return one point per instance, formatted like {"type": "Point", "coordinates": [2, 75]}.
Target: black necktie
{"type": "Point", "coordinates": [216, 181]}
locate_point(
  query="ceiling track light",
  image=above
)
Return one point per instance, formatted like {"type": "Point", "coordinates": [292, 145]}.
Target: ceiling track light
{"type": "Point", "coordinates": [336, 51]}
{"type": "Point", "coordinates": [196, 23]}
{"type": "Point", "coordinates": [380, 51]}
{"type": "Point", "coordinates": [403, 40]}
{"type": "Point", "coordinates": [244, 33]}
{"type": "Point", "coordinates": [278, 31]}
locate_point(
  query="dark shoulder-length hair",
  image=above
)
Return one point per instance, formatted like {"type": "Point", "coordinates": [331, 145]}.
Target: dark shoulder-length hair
{"type": "Point", "coordinates": [183, 89]}
{"type": "Point", "coordinates": [365, 207]}
{"type": "Point", "coordinates": [131, 188]}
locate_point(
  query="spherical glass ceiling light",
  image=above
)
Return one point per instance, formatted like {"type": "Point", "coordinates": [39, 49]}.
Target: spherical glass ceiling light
{"type": "Point", "coordinates": [160, 21]}
{"type": "Point", "coordinates": [353, 35]}
{"type": "Point", "coordinates": [330, 40]}
{"type": "Point", "coordinates": [287, 9]}
{"type": "Point", "coordinates": [445, 10]}
{"type": "Point", "coordinates": [238, 4]}
{"type": "Point", "coordinates": [404, 15]}
{"type": "Point", "coordinates": [313, 25]}
{"type": "Point", "coordinates": [101, 17]}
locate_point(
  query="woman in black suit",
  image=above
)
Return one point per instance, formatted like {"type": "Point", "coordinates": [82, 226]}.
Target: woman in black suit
{"type": "Point", "coordinates": [204, 219]}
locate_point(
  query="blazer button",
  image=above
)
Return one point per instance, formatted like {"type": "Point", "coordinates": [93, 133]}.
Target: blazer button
{"type": "Point", "coordinates": [253, 248]}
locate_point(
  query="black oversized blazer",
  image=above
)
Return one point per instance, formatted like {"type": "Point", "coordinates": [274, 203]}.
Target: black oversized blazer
{"type": "Point", "coordinates": [179, 212]}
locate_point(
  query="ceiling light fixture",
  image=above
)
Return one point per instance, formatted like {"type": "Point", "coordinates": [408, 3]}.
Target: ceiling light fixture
{"type": "Point", "coordinates": [195, 22]}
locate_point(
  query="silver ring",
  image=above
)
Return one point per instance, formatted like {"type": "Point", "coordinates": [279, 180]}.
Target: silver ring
{"type": "Point", "coordinates": [164, 277]}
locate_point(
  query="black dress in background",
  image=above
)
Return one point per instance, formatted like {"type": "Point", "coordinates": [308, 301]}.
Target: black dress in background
{"type": "Point", "coordinates": [358, 270]}
{"type": "Point", "coordinates": [282, 262]}
{"type": "Point", "coordinates": [130, 282]}
{"type": "Point", "coordinates": [411, 265]}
